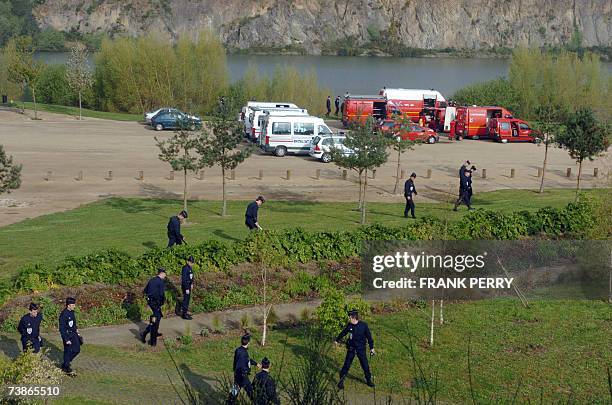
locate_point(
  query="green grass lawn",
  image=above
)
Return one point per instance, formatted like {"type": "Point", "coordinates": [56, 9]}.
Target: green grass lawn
{"type": "Point", "coordinates": [556, 349]}
{"type": "Point", "coordinates": [134, 225]}
{"type": "Point", "coordinates": [62, 109]}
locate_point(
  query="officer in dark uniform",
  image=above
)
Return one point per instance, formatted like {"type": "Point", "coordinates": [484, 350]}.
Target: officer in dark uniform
{"type": "Point", "coordinates": [466, 191]}
{"type": "Point", "coordinates": [337, 104]}
{"type": "Point", "coordinates": [250, 217]}
{"type": "Point", "coordinates": [70, 335]}
{"type": "Point", "coordinates": [264, 388]}
{"type": "Point", "coordinates": [186, 286]}
{"type": "Point", "coordinates": [358, 334]}
{"type": "Point", "coordinates": [409, 190]}
{"type": "Point", "coordinates": [242, 368]}
{"type": "Point", "coordinates": [174, 229]}
{"type": "Point", "coordinates": [328, 105]}
{"type": "Point", "coordinates": [155, 293]}
{"type": "Point", "coordinates": [29, 329]}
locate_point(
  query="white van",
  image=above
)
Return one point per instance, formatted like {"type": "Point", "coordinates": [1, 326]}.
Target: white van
{"type": "Point", "coordinates": [248, 109]}
{"type": "Point", "coordinates": [291, 134]}
{"type": "Point", "coordinates": [259, 115]}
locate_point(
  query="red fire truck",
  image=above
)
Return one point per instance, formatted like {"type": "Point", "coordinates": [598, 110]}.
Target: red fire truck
{"type": "Point", "coordinates": [473, 122]}
{"type": "Point", "coordinates": [359, 108]}
{"type": "Point", "coordinates": [412, 102]}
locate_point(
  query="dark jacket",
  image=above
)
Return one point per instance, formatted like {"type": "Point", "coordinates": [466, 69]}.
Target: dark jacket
{"type": "Point", "coordinates": [264, 389]}
{"type": "Point", "coordinates": [358, 335]}
{"type": "Point", "coordinates": [409, 188]}
{"type": "Point", "coordinates": [29, 327]}
{"type": "Point", "coordinates": [251, 213]}
{"type": "Point", "coordinates": [68, 326]}
{"type": "Point", "coordinates": [242, 361]}
{"type": "Point", "coordinates": [174, 229]}
{"type": "Point", "coordinates": [328, 103]}
{"type": "Point", "coordinates": [187, 277]}
{"type": "Point", "coordinates": [155, 290]}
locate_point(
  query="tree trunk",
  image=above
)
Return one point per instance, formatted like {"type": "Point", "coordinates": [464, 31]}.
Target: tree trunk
{"type": "Point", "coordinates": [265, 306]}
{"type": "Point", "coordinates": [34, 98]}
{"type": "Point", "coordinates": [224, 204]}
{"type": "Point", "coordinates": [185, 189]}
{"type": "Point", "coordinates": [578, 179]}
{"type": "Point", "coordinates": [397, 173]}
{"type": "Point", "coordinates": [360, 190]}
{"type": "Point", "coordinates": [363, 203]}
{"type": "Point", "coordinates": [433, 315]}
{"type": "Point", "coordinates": [80, 107]}
{"type": "Point", "coordinates": [544, 164]}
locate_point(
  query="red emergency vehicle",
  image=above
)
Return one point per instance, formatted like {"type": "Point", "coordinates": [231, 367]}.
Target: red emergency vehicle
{"type": "Point", "coordinates": [411, 102]}
{"type": "Point", "coordinates": [360, 108]}
{"type": "Point", "coordinates": [473, 122]}
{"type": "Point", "coordinates": [410, 131]}
{"type": "Point", "coordinates": [511, 130]}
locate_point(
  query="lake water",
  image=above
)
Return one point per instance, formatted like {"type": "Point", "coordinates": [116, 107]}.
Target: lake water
{"type": "Point", "coordinates": [367, 75]}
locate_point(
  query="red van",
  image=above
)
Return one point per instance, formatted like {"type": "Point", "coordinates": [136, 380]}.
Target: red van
{"type": "Point", "coordinates": [473, 122]}
{"type": "Point", "coordinates": [511, 130]}
{"type": "Point", "coordinates": [360, 108]}
{"type": "Point", "coordinates": [411, 102]}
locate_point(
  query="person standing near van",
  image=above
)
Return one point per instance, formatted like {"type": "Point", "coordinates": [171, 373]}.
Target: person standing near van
{"type": "Point", "coordinates": [250, 217]}
{"type": "Point", "coordinates": [337, 104]}
{"type": "Point", "coordinates": [328, 104]}
{"type": "Point", "coordinates": [409, 190]}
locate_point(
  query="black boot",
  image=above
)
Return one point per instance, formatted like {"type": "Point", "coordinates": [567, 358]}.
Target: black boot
{"type": "Point", "coordinates": [370, 384]}
{"type": "Point", "coordinates": [341, 383]}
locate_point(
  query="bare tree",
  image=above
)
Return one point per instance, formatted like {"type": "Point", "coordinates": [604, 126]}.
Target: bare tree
{"type": "Point", "coordinates": [77, 72]}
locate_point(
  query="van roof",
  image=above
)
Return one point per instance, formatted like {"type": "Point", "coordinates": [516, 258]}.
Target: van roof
{"type": "Point", "coordinates": [411, 94]}
{"type": "Point", "coordinates": [366, 97]}
{"type": "Point", "coordinates": [269, 103]}
{"type": "Point", "coordinates": [295, 116]}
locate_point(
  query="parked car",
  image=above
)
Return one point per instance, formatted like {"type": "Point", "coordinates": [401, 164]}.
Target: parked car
{"type": "Point", "coordinates": [175, 120]}
{"type": "Point", "coordinates": [511, 130]}
{"type": "Point", "coordinates": [149, 115]}
{"type": "Point", "coordinates": [409, 131]}
{"type": "Point", "coordinates": [322, 145]}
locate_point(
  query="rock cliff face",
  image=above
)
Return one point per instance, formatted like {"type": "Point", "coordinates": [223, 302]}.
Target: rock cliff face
{"type": "Point", "coordinates": [315, 25]}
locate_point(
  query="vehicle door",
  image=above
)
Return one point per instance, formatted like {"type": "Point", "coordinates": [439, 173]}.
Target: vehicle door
{"type": "Point", "coordinates": [303, 132]}
{"type": "Point", "coordinates": [525, 132]}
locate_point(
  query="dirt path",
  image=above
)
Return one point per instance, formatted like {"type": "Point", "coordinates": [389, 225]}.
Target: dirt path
{"type": "Point", "coordinates": [64, 147]}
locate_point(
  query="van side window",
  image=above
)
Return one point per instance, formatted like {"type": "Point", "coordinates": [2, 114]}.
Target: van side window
{"type": "Point", "coordinates": [505, 126]}
{"type": "Point", "coordinates": [323, 130]}
{"type": "Point", "coordinates": [302, 128]}
{"type": "Point", "coordinates": [281, 128]}
{"type": "Point", "coordinates": [524, 126]}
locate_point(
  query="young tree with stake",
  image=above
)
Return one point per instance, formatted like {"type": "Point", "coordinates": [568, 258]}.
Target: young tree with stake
{"type": "Point", "coordinates": [584, 138]}
{"type": "Point", "coordinates": [77, 73]}
{"type": "Point", "coordinates": [369, 148]}
{"type": "Point", "coordinates": [180, 151]}
{"type": "Point", "coordinates": [549, 123]}
{"type": "Point", "coordinates": [401, 145]}
{"type": "Point", "coordinates": [22, 69]}
{"type": "Point", "coordinates": [10, 173]}
{"type": "Point", "coordinates": [218, 146]}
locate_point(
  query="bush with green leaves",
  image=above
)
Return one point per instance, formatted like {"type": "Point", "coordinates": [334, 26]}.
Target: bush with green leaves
{"type": "Point", "coordinates": [332, 314]}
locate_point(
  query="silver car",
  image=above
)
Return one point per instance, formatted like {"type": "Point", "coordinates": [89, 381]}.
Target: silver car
{"type": "Point", "coordinates": [321, 147]}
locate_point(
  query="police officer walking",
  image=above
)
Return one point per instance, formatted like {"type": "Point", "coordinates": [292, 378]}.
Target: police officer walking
{"type": "Point", "coordinates": [264, 387]}
{"type": "Point", "coordinates": [186, 286]}
{"type": "Point", "coordinates": [155, 293]}
{"type": "Point", "coordinates": [70, 335]}
{"type": "Point", "coordinates": [337, 104]}
{"type": "Point", "coordinates": [409, 190]}
{"type": "Point", "coordinates": [242, 368]}
{"type": "Point", "coordinates": [250, 217]}
{"type": "Point", "coordinates": [174, 229]}
{"type": "Point", "coordinates": [358, 334]}
{"type": "Point", "coordinates": [466, 191]}
{"type": "Point", "coordinates": [29, 329]}
{"type": "Point", "coordinates": [328, 105]}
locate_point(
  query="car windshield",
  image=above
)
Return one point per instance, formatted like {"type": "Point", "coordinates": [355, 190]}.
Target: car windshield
{"type": "Point", "coordinates": [324, 130]}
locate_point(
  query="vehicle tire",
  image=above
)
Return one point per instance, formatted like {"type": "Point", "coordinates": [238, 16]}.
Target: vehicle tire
{"type": "Point", "coordinates": [280, 151]}
{"type": "Point", "coordinates": [476, 137]}
{"type": "Point", "coordinates": [192, 127]}
{"type": "Point", "coordinates": [326, 158]}
{"type": "Point", "coordinates": [431, 140]}
{"type": "Point", "coordinates": [159, 127]}
{"type": "Point", "coordinates": [504, 141]}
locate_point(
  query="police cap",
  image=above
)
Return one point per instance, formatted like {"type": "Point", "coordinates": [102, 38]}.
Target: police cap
{"type": "Point", "coordinates": [161, 270]}
{"type": "Point", "coordinates": [353, 313]}
{"type": "Point", "coordinates": [183, 214]}
{"type": "Point", "coordinates": [265, 362]}
{"type": "Point", "coordinates": [70, 300]}
{"type": "Point", "coordinates": [33, 306]}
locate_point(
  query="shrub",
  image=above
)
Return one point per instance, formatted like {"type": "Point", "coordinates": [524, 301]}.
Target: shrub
{"type": "Point", "coordinates": [332, 313]}
{"type": "Point", "coordinates": [31, 369]}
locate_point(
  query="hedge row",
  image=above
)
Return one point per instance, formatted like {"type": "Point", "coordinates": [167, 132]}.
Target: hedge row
{"type": "Point", "coordinates": [298, 246]}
